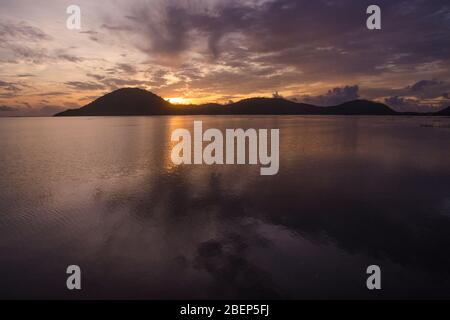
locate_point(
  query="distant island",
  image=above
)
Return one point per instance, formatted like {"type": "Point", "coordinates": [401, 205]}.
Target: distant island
{"type": "Point", "coordinates": [140, 102]}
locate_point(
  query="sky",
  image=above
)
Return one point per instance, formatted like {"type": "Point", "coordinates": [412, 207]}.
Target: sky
{"type": "Point", "coordinates": [199, 51]}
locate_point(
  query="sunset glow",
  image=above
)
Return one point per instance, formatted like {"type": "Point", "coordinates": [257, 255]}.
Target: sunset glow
{"type": "Point", "coordinates": [219, 51]}
{"type": "Point", "coordinates": [178, 100]}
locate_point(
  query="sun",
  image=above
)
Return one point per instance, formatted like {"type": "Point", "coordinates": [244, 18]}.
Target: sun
{"type": "Point", "coordinates": [178, 100]}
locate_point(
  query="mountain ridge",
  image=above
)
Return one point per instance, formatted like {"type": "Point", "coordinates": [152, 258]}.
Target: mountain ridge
{"type": "Point", "coordinates": [444, 112]}
{"type": "Point", "coordinates": [140, 102]}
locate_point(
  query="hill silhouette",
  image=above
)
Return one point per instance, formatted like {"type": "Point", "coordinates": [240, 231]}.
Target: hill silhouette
{"type": "Point", "coordinates": [361, 107]}
{"type": "Point", "coordinates": [445, 112]}
{"type": "Point", "coordinates": [135, 101]}
{"type": "Point", "coordinates": [123, 102]}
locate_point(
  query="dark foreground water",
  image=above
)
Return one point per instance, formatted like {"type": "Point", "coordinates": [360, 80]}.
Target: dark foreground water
{"type": "Point", "coordinates": [103, 194]}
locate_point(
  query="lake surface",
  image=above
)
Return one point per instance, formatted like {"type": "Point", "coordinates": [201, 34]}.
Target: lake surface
{"type": "Point", "coordinates": [102, 193]}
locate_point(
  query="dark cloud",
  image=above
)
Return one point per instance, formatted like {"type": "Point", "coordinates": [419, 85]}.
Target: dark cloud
{"type": "Point", "coordinates": [10, 89]}
{"type": "Point", "coordinates": [127, 70]}
{"type": "Point", "coordinates": [158, 77]}
{"type": "Point", "coordinates": [21, 31]}
{"type": "Point", "coordinates": [7, 109]}
{"type": "Point", "coordinates": [19, 52]}
{"type": "Point", "coordinates": [404, 104]}
{"type": "Point", "coordinates": [9, 86]}
{"type": "Point", "coordinates": [422, 96]}
{"type": "Point", "coordinates": [79, 85]}
{"type": "Point", "coordinates": [20, 42]}
{"type": "Point", "coordinates": [429, 89]}
{"type": "Point", "coordinates": [52, 94]}
{"type": "Point", "coordinates": [89, 32]}
{"type": "Point", "coordinates": [69, 57]}
{"type": "Point", "coordinates": [93, 35]}
{"type": "Point", "coordinates": [334, 97]}
{"type": "Point", "coordinates": [314, 36]}
{"type": "Point", "coordinates": [116, 27]}
{"type": "Point", "coordinates": [95, 76]}
{"type": "Point", "coordinates": [124, 68]}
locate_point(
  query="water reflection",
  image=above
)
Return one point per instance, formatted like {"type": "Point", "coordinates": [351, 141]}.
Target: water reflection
{"type": "Point", "coordinates": [350, 192]}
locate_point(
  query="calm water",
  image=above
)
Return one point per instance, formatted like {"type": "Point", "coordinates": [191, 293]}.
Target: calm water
{"type": "Point", "coordinates": [103, 194]}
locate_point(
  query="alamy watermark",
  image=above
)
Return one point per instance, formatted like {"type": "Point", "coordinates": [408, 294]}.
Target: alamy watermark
{"type": "Point", "coordinates": [374, 280]}
{"type": "Point", "coordinates": [73, 22]}
{"type": "Point", "coordinates": [374, 20]}
{"type": "Point", "coordinates": [227, 148]}
{"type": "Point", "coordinates": [74, 280]}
